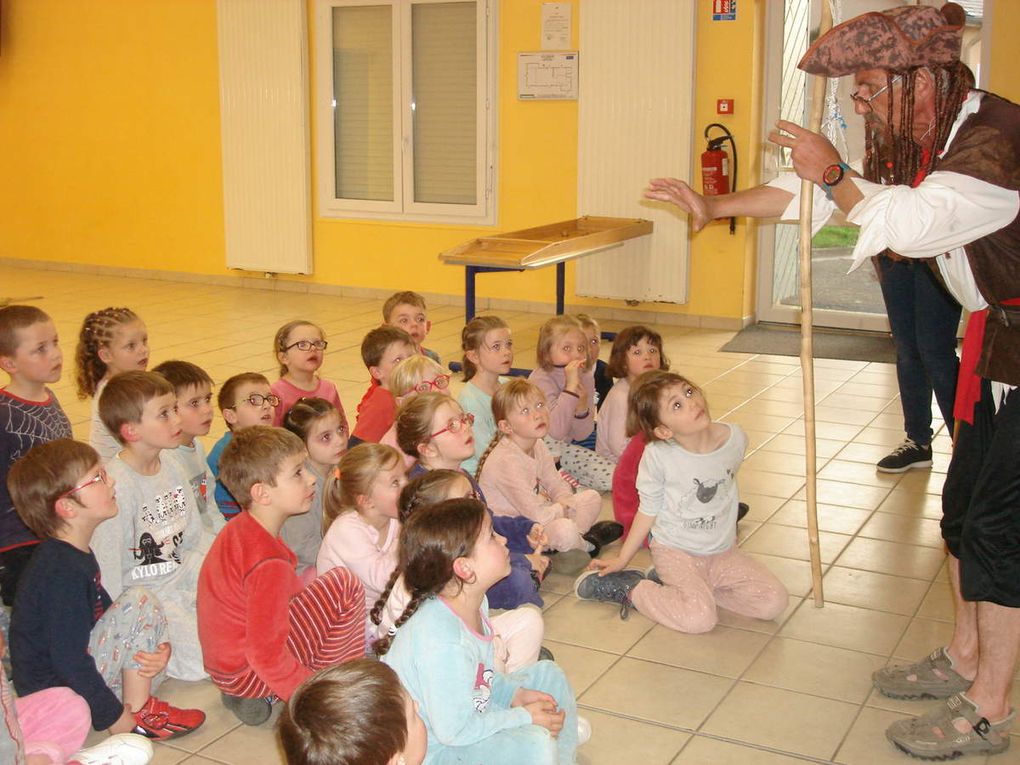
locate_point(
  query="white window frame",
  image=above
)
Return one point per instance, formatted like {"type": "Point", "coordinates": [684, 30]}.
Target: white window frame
{"type": "Point", "coordinates": [403, 207]}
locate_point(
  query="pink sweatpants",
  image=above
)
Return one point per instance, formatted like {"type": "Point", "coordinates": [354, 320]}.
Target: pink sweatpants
{"type": "Point", "coordinates": [695, 585]}
{"type": "Point", "coordinates": [575, 517]}
{"type": "Point", "coordinates": [517, 639]}
{"type": "Point", "coordinates": [54, 723]}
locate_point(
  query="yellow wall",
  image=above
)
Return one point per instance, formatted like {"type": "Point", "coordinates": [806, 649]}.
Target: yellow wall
{"type": "Point", "coordinates": [1005, 28]}
{"type": "Point", "coordinates": [109, 123]}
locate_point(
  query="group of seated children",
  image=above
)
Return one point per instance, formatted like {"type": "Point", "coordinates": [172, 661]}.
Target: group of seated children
{"type": "Point", "coordinates": [298, 547]}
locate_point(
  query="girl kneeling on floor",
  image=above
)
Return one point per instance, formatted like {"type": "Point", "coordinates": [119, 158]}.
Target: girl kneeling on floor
{"type": "Point", "coordinates": [687, 483]}
{"type": "Point", "coordinates": [441, 648]}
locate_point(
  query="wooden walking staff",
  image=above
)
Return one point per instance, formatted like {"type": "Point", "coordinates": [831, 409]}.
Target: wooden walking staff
{"type": "Point", "coordinates": [807, 335]}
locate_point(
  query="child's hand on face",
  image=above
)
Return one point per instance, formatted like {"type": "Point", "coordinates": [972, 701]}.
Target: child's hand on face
{"type": "Point", "coordinates": [607, 565]}
{"type": "Point", "coordinates": [537, 538]}
{"type": "Point", "coordinates": [572, 373]}
{"type": "Point", "coordinates": [155, 662]}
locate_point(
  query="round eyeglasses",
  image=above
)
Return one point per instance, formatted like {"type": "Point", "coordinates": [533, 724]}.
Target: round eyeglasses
{"type": "Point", "coordinates": [100, 477]}
{"type": "Point", "coordinates": [456, 425]}
{"type": "Point", "coordinates": [439, 382]}
{"type": "Point", "coordinates": [307, 345]}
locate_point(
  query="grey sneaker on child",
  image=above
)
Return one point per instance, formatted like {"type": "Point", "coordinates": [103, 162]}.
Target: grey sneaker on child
{"type": "Point", "coordinates": [907, 455]}
{"type": "Point", "coordinates": [611, 588]}
{"type": "Point", "coordinates": [248, 711]}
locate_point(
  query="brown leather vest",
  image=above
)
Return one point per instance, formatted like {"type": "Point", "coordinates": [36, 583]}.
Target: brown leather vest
{"type": "Point", "coordinates": [987, 147]}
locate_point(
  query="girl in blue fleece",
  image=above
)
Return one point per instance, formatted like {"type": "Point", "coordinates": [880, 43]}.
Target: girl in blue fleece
{"type": "Point", "coordinates": [441, 648]}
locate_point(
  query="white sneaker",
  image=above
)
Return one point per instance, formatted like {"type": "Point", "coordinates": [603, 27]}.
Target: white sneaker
{"type": "Point", "coordinates": [122, 749]}
{"type": "Point", "coordinates": [583, 730]}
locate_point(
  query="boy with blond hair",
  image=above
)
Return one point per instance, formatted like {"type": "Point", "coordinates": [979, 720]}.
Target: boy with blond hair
{"type": "Point", "coordinates": [29, 415]}
{"type": "Point", "coordinates": [382, 349]}
{"type": "Point", "coordinates": [263, 633]}
{"type": "Point", "coordinates": [157, 541]}
{"type": "Point", "coordinates": [244, 400]}
{"type": "Point", "coordinates": [66, 630]}
{"type": "Point", "coordinates": [193, 388]}
{"type": "Point", "coordinates": [407, 311]}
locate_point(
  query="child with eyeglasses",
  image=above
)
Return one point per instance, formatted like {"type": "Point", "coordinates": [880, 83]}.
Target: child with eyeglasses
{"type": "Point", "coordinates": [318, 423]}
{"type": "Point", "coordinates": [414, 375]}
{"type": "Point", "coordinates": [244, 400]}
{"type": "Point", "coordinates": [438, 431]}
{"type": "Point", "coordinates": [300, 349]}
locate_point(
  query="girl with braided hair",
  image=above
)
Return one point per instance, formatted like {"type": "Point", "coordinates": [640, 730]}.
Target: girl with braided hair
{"type": "Point", "coordinates": [442, 649]}
{"type": "Point", "coordinates": [439, 433]}
{"type": "Point", "coordinates": [360, 509]}
{"type": "Point", "coordinates": [111, 340]}
{"type": "Point", "coordinates": [519, 476]}
{"type": "Point", "coordinates": [517, 640]}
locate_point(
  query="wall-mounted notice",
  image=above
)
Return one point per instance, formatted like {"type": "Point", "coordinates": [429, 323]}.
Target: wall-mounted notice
{"type": "Point", "coordinates": [547, 76]}
{"type": "Point", "coordinates": [556, 26]}
{"type": "Point", "coordinates": [724, 10]}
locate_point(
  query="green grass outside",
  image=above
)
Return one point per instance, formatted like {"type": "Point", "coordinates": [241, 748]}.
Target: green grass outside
{"type": "Point", "coordinates": [835, 236]}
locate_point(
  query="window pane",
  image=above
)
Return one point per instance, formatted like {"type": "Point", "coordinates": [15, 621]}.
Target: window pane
{"type": "Point", "coordinates": [444, 102]}
{"type": "Point", "coordinates": [363, 101]}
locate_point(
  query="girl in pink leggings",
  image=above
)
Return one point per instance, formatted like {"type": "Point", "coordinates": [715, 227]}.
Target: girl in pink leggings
{"type": "Point", "coordinates": [687, 483]}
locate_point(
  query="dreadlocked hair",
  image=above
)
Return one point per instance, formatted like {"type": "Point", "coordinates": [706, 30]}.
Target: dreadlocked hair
{"type": "Point", "coordinates": [472, 337]}
{"type": "Point", "coordinates": [509, 394]}
{"type": "Point", "coordinates": [97, 331]}
{"type": "Point", "coordinates": [897, 159]}
{"type": "Point", "coordinates": [431, 541]}
{"type": "Point", "coordinates": [358, 468]}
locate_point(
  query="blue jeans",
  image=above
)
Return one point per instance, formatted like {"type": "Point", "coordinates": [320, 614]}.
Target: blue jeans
{"type": "Point", "coordinates": [923, 318]}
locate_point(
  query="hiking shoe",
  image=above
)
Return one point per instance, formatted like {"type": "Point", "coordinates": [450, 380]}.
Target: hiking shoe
{"type": "Point", "coordinates": [158, 720]}
{"type": "Point", "coordinates": [742, 510]}
{"type": "Point", "coordinates": [933, 736]}
{"type": "Point", "coordinates": [249, 711]}
{"type": "Point", "coordinates": [611, 588]}
{"type": "Point", "coordinates": [122, 749]}
{"type": "Point", "coordinates": [906, 456]}
{"type": "Point", "coordinates": [544, 654]}
{"type": "Point", "coordinates": [603, 533]}
{"type": "Point", "coordinates": [933, 677]}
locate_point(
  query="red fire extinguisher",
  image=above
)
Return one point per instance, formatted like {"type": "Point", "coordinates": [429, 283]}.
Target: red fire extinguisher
{"type": "Point", "coordinates": [716, 178]}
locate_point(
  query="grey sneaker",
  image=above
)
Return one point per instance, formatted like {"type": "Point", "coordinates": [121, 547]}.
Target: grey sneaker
{"type": "Point", "coordinates": [906, 456]}
{"type": "Point", "coordinates": [611, 588]}
{"type": "Point", "coordinates": [544, 654]}
{"type": "Point", "coordinates": [248, 711]}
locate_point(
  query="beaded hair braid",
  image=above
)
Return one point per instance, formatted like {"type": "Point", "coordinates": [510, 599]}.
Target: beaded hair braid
{"type": "Point", "coordinates": [97, 332]}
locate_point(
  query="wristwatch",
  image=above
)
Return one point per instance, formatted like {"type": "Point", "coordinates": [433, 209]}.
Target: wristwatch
{"type": "Point", "coordinates": [832, 175]}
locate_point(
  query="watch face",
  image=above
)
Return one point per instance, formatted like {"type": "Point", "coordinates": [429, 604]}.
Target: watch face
{"type": "Point", "coordinates": [832, 175]}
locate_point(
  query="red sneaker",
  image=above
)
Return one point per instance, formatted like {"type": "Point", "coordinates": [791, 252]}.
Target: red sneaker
{"type": "Point", "coordinates": [160, 721]}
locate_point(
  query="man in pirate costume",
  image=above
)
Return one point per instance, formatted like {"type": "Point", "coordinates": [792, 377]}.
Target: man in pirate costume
{"type": "Point", "coordinates": [943, 173]}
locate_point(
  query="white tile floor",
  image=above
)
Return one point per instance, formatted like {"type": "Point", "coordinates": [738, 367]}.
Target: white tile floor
{"type": "Point", "coordinates": [793, 690]}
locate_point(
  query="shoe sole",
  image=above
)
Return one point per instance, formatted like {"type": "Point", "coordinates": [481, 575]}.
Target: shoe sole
{"type": "Point", "coordinates": [911, 466]}
{"type": "Point", "coordinates": [953, 755]}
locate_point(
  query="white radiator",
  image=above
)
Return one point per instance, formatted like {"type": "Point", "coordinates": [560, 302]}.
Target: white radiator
{"type": "Point", "coordinates": [636, 100]}
{"type": "Point", "coordinates": [263, 52]}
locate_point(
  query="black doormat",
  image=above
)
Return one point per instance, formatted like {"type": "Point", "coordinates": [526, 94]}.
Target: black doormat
{"type": "Point", "coordinates": [784, 340]}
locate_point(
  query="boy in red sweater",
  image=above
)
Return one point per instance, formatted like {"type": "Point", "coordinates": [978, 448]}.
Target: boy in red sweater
{"type": "Point", "coordinates": [262, 633]}
{"type": "Point", "coordinates": [382, 349]}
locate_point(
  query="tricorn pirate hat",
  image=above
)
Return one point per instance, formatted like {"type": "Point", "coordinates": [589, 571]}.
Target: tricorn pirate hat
{"type": "Point", "coordinates": [896, 40]}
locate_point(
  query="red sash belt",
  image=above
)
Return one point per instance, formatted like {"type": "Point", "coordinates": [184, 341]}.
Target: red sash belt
{"type": "Point", "coordinates": [968, 384]}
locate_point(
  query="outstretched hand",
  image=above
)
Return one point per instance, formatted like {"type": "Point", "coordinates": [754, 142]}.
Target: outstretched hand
{"type": "Point", "coordinates": [810, 152]}
{"type": "Point", "coordinates": [678, 193]}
